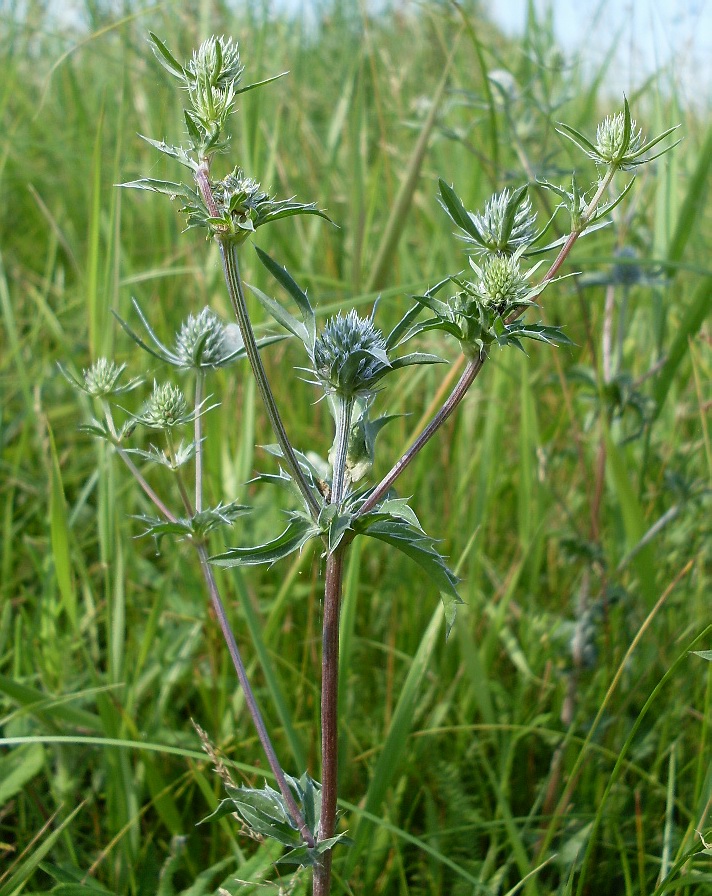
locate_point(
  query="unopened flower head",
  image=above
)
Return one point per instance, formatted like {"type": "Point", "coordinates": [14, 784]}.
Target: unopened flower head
{"type": "Point", "coordinates": [611, 143]}
{"type": "Point", "coordinates": [493, 224]}
{"type": "Point", "coordinates": [350, 354]}
{"type": "Point", "coordinates": [216, 62]}
{"type": "Point", "coordinates": [238, 195]}
{"type": "Point", "coordinates": [500, 282]}
{"type": "Point", "coordinates": [165, 408]}
{"type": "Point", "coordinates": [201, 341]}
{"type": "Point", "coordinates": [102, 378]}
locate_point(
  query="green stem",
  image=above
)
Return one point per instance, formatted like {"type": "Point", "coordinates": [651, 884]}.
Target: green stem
{"type": "Point", "coordinates": [185, 498]}
{"type": "Point", "coordinates": [231, 268]}
{"type": "Point", "coordinates": [198, 436]}
{"type": "Point", "coordinates": [133, 469]}
{"type": "Point", "coordinates": [339, 480]}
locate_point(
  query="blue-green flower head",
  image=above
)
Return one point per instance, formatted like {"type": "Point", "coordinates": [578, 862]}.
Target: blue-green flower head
{"type": "Point", "coordinates": [350, 355]}
{"type": "Point", "coordinates": [202, 342]}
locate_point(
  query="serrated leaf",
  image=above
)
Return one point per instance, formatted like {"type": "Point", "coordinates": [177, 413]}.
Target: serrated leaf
{"type": "Point", "coordinates": [307, 857]}
{"type": "Point", "coordinates": [175, 152]}
{"type": "Point", "coordinates": [416, 545]}
{"type": "Point", "coordinates": [260, 83]}
{"type": "Point", "coordinates": [285, 279]}
{"type": "Point", "coordinates": [166, 58]}
{"type": "Point", "coordinates": [299, 531]}
{"type": "Point", "coordinates": [457, 212]}
{"type": "Point", "coordinates": [281, 315]}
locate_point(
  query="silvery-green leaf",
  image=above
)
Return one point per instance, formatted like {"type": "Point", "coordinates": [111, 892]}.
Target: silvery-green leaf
{"type": "Point", "coordinates": [299, 531]}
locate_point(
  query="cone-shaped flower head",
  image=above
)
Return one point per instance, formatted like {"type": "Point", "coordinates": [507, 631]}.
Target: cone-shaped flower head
{"type": "Point", "coordinates": [165, 408]}
{"type": "Point", "coordinates": [500, 282]}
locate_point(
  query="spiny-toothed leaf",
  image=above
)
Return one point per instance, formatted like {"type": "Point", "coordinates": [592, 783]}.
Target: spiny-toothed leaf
{"type": "Point", "coordinates": [402, 327]}
{"type": "Point", "coordinates": [307, 857]}
{"type": "Point", "coordinates": [416, 358]}
{"type": "Point", "coordinates": [289, 209]}
{"type": "Point", "coordinates": [450, 604]}
{"type": "Point", "coordinates": [435, 305]}
{"type": "Point", "coordinates": [281, 315]}
{"type": "Point", "coordinates": [400, 509]}
{"type": "Point", "coordinates": [158, 528]}
{"type": "Point", "coordinates": [515, 200]}
{"type": "Point", "coordinates": [240, 90]}
{"type": "Point", "coordinates": [192, 128]}
{"type": "Point", "coordinates": [608, 207]}
{"type": "Point", "coordinates": [649, 145]}
{"type": "Point", "coordinates": [295, 536]}
{"type": "Point", "coordinates": [175, 152]}
{"type": "Point", "coordinates": [576, 137]}
{"type": "Point", "coordinates": [457, 212]}
{"type": "Point", "coordinates": [166, 58]}
{"type": "Point", "coordinates": [414, 544]}
{"type": "Point", "coordinates": [98, 429]}
{"type": "Point", "coordinates": [285, 279]}
{"type": "Point", "coordinates": [168, 188]}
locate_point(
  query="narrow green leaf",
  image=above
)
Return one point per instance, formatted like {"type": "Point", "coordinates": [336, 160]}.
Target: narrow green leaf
{"type": "Point", "coordinates": [281, 315]}
{"type": "Point", "coordinates": [395, 744]}
{"type": "Point", "coordinates": [165, 57]}
{"type": "Point", "coordinates": [59, 536]}
{"type": "Point", "coordinates": [15, 882]}
{"type": "Point", "coordinates": [457, 211]}
{"type": "Point", "coordinates": [18, 768]}
{"type": "Point", "coordinates": [693, 205]}
{"type": "Point", "coordinates": [256, 627]}
{"type": "Point", "coordinates": [695, 315]}
{"type": "Point", "coordinates": [633, 517]}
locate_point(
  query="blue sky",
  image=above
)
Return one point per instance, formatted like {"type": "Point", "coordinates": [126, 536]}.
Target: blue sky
{"type": "Point", "coordinates": [654, 34]}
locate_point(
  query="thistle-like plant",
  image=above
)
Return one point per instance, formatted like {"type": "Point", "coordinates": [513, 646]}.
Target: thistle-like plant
{"type": "Point", "coordinates": [350, 360]}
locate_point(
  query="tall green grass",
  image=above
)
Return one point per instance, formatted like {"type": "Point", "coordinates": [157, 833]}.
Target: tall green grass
{"type": "Point", "coordinates": [497, 759]}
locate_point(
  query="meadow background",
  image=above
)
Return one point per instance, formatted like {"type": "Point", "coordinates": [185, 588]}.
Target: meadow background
{"type": "Point", "coordinates": [566, 722]}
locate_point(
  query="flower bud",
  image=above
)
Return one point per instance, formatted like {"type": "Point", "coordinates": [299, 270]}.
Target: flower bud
{"type": "Point", "coordinates": [501, 282]}
{"type": "Point", "coordinates": [165, 408]}
{"type": "Point", "coordinates": [101, 379]}
{"type": "Point", "coordinates": [611, 143]}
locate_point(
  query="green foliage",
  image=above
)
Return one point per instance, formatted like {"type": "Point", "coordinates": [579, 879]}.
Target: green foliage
{"type": "Point", "coordinates": [474, 756]}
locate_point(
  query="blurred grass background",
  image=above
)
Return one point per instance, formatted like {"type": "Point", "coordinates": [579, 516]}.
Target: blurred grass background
{"type": "Point", "coordinates": [565, 722]}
